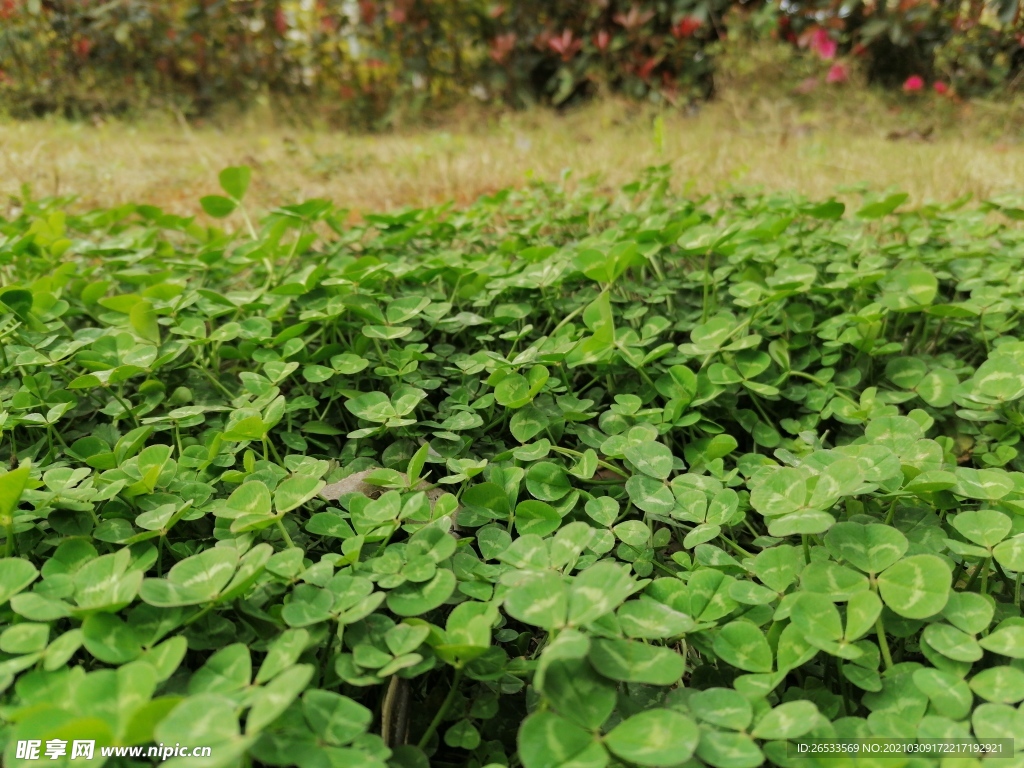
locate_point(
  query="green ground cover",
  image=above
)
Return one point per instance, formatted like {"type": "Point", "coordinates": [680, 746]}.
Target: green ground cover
{"type": "Point", "coordinates": [554, 480]}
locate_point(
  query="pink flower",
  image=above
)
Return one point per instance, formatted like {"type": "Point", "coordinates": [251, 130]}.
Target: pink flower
{"type": "Point", "coordinates": [502, 46]}
{"type": "Point", "coordinates": [808, 85]}
{"type": "Point", "coordinates": [645, 69]}
{"type": "Point", "coordinates": [941, 88]}
{"type": "Point", "coordinates": [837, 73]}
{"type": "Point", "coordinates": [913, 83]}
{"type": "Point", "coordinates": [822, 44]}
{"type": "Point", "coordinates": [686, 27]}
{"type": "Point", "coordinates": [635, 18]}
{"type": "Point", "coordinates": [82, 47]}
{"type": "Point", "coordinates": [565, 46]}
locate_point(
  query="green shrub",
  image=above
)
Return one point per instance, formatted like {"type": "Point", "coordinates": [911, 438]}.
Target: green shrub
{"type": "Point", "coordinates": [553, 480]}
{"type": "Point", "coordinates": [370, 61]}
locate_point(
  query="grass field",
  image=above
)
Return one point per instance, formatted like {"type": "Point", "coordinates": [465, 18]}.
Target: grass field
{"type": "Point", "coordinates": [933, 150]}
{"type": "Point", "coordinates": [553, 480]}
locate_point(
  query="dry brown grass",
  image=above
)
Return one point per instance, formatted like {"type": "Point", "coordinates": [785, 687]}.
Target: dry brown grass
{"type": "Point", "coordinates": [772, 143]}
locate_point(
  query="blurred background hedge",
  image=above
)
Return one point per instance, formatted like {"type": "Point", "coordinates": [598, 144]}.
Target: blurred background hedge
{"type": "Point", "coordinates": [372, 61]}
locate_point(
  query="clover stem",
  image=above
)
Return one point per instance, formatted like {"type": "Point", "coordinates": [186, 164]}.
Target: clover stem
{"type": "Point", "coordinates": [741, 327]}
{"type": "Point", "coordinates": [217, 384]}
{"type": "Point", "coordinates": [384, 543]}
{"type": "Point", "coordinates": [594, 380]}
{"type": "Point", "coordinates": [841, 679]}
{"type": "Point", "coordinates": [123, 404]}
{"type": "Point", "coordinates": [760, 409]}
{"type": "Point", "coordinates": [891, 513]}
{"type": "Point", "coordinates": [291, 254]}
{"type": "Point", "coordinates": [707, 288]}
{"type": "Point", "coordinates": [958, 572]}
{"type": "Point", "coordinates": [274, 453]}
{"type": "Point", "coordinates": [249, 226]}
{"type": "Point", "coordinates": [568, 318]}
{"type": "Point", "coordinates": [915, 333]}
{"type": "Point", "coordinates": [445, 706]}
{"type": "Point", "coordinates": [882, 642]}
{"type": "Point", "coordinates": [974, 577]}
{"type": "Point", "coordinates": [938, 332]}
{"type": "Point", "coordinates": [661, 279]}
{"type": "Point", "coordinates": [821, 383]}
{"type": "Point", "coordinates": [663, 567]}
{"type": "Point", "coordinates": [612, 468]}
{"type": "Point", "coordinates": [984, 576]}
{"type": "Point", "coordinates": [56, 433]}
{"type": "Point", "coordinates": [807, 548]}
{"type": "Point", "coordinates": [578, 454]}
{"type": "Point", "coordinates": [9, 544]}
{"type": "Point", "coordinates": [1016, 588]}
{"type": "Point", "coordinates": [736, 546]}
{"type": "Point", "coordinates": [395, 712]}
{"type": "Point", "coordinates": [643, 375]}
{"type": "Point", "coordinates": [1003, 576]}
{"type": "Point", "coordinates": [196, 616]}
{"type": "Point", "coordinates": [284, 534]}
